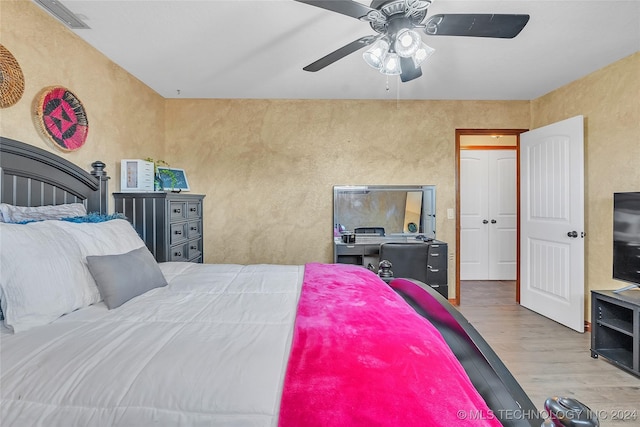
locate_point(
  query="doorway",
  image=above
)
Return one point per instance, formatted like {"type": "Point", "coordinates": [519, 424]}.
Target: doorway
{"type": "Point", "coordinates": [487, 140]}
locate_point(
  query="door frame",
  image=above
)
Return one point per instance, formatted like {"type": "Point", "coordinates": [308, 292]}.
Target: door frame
{"type": "Point", "coordinates": [485, 132]}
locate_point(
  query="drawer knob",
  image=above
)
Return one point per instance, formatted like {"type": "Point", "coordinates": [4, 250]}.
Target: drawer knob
{"type": "Point", "coordinates": [194, 209]}
{"type": "Point", "coordinates": [194, 228]}
{"type": "Point", "coordinates": [193, 247]}
{"type": "Point", "coordinates": [178, 232]}
{"type": "Point", "coordinates": [177, 253]}
{"type": "Point", "coordinates": [177, 210]}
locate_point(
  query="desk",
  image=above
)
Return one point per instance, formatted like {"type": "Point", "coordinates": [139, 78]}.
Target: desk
{"type": "Point", "coordinates": [366, 252]}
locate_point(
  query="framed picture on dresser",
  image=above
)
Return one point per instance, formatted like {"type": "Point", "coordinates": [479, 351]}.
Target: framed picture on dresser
{"type": "Point", "coordinates": [172, 179]}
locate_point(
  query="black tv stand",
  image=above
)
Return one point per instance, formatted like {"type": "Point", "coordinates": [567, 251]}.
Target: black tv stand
{"type": "Point", "coordinates": [626, 288]}
{"type": "Point", "coordinates": [615, 328]}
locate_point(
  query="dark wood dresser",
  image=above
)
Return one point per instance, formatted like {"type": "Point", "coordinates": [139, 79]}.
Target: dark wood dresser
{"type": "Point", "coordinates": [169, 223]}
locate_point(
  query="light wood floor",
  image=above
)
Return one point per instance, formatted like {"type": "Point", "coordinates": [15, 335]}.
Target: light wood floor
{"type": "Point", "coordinates": [546, 358]}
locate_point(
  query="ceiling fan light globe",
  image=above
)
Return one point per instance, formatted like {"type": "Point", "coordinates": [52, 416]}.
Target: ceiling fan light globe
{"type": "Point", "coordinates": [422, 54]}
{"type": "Point", "coordinates": [391, 65]}
{"type": "Point", "coordinates": [374, 56]}
{"type": "Point", "coordinates": [407, 43]}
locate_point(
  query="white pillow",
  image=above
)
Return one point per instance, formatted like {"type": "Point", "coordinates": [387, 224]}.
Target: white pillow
{"type": "Point", "coordinates": [42, 276]}
{"type": "Point", "coordinates": [11, 213]}
{"type": "Point", "coordinates": [112, 237]}
{"type": "Point", "coordinates": [44, 272]}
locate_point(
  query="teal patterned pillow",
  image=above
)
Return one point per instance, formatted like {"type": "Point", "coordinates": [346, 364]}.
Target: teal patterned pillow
{"type": "Point", "coordinates": [94, 217]}
{"type": "Point", "coordinates": [91, 217]}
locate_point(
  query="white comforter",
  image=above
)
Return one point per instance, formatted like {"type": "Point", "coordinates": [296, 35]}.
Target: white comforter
{"type": "Point", "coordinates": [209, 349]}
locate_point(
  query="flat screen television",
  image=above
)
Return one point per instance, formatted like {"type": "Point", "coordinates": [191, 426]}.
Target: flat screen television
{"type": "Point", "coordinates": [626, 238]}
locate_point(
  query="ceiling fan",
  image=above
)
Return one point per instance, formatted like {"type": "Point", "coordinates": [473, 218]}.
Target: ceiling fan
{"type": "Point", "coordinates": [398, 47]}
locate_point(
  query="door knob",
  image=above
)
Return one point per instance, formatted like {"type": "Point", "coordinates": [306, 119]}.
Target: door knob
{"type": "Point", "coordinates": [484, 221]}
{"type": "Point", "coordinates": [493, 221]}
{"type": "Point", "coordinates": [573, 234]}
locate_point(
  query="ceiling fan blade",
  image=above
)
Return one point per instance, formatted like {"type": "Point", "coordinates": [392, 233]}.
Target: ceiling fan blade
{"type": "Point", "coordinates": [409, 70]}
{"type": "Point", "coordinates": [345, 7]}
{"type": "Point", "coordinates": [340, 53]}
{"type": "Point", "coordinates": [476, 25]}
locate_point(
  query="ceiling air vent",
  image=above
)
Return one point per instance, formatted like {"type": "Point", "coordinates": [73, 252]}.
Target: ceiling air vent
{"type": "Point", "coordinates": [58, 10]}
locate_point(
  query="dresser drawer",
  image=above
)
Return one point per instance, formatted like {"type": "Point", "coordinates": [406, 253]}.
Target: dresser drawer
{"type": "Point", "coordinates": [177, 232]}
{"type": "Point", "coordinates": [194, 249]}
{"type": "Point", "coordinates": [437, 257]}
{"type": "Point", "coordinates": [194, 229]}
{"type": "Point", "coordinates": [194, 210]}
{"type": "Point", "coordinates": [350, 249]}
{"type": "Point", "coordinates": [437, 263]}
{"type": "Point", "coordinates": [436, 276]}
{"type": "Point", "coordinates": [177, 210]}
{"type": "Point", "coordinates": [179, 252]}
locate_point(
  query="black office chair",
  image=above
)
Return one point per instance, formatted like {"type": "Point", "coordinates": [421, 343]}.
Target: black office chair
{"type": "Point", "coordinates": [409, 260]}
{"type": "Point", "coordinates": [378, 231]}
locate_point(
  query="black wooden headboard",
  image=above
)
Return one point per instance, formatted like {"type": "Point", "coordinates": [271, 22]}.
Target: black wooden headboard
{"type": "Point", "coordinates": [30, 176]}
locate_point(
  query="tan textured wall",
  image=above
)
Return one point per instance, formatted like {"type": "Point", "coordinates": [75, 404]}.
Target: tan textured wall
{"type": "Point", "coordinates": [125, 116]}
{"type": "Point", "coordinates": [609, 100]}
{"type": "Point", "coordinates": [268, 167]}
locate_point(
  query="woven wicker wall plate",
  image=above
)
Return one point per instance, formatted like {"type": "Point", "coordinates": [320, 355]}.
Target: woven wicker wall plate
{"type": "Point", "coordinates": [62, 118]}
{"type": "Point", "coordinates": [11, 79]}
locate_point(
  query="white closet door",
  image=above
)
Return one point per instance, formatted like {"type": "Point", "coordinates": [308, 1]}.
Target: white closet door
{"type": "Point", "coordinates": [488, 214]}
{"type": "Point", "coordinates": [474, 230]}
{"type": "Point", "coordinates": [503, 215]}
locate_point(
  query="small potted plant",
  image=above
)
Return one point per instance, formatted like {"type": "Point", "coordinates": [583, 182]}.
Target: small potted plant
{"type": "Point", "coordinates": [160, 176]}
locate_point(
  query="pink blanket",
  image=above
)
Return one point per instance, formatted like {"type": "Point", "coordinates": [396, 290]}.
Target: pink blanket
{"type": "Point", "coordinates": [362, 357]}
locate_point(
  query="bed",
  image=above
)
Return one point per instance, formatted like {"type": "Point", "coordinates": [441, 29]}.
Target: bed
{"type": "Point", "coordinates": [111, 338]}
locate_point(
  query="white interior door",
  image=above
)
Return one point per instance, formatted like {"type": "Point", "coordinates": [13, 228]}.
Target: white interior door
{"type": "Point", "coordinates": [474, 207]}
{"type": "Point", "coordinates": [503, 215]}
{"type": "Point", "coordinates": [552, 221]}
{"type": "Point", "coordinates": [488, 215]}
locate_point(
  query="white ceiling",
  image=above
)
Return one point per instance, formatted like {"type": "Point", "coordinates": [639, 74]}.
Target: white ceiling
{"type": "Point", "coordinates": [257, 48]}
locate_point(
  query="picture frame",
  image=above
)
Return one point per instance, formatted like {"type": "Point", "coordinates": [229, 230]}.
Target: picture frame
{"type": "Point", "coordinates": [136, 175]}
{"type": "Point", "coordinates": [172, 179]}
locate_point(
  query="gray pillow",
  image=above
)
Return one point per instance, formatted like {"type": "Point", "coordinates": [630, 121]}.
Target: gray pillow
{"type": "Point", "coordinates": [122, 277]}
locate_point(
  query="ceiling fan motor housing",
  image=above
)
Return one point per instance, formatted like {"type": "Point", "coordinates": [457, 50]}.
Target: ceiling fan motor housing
{"type": "Point", "coordinates": [399, 14]}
